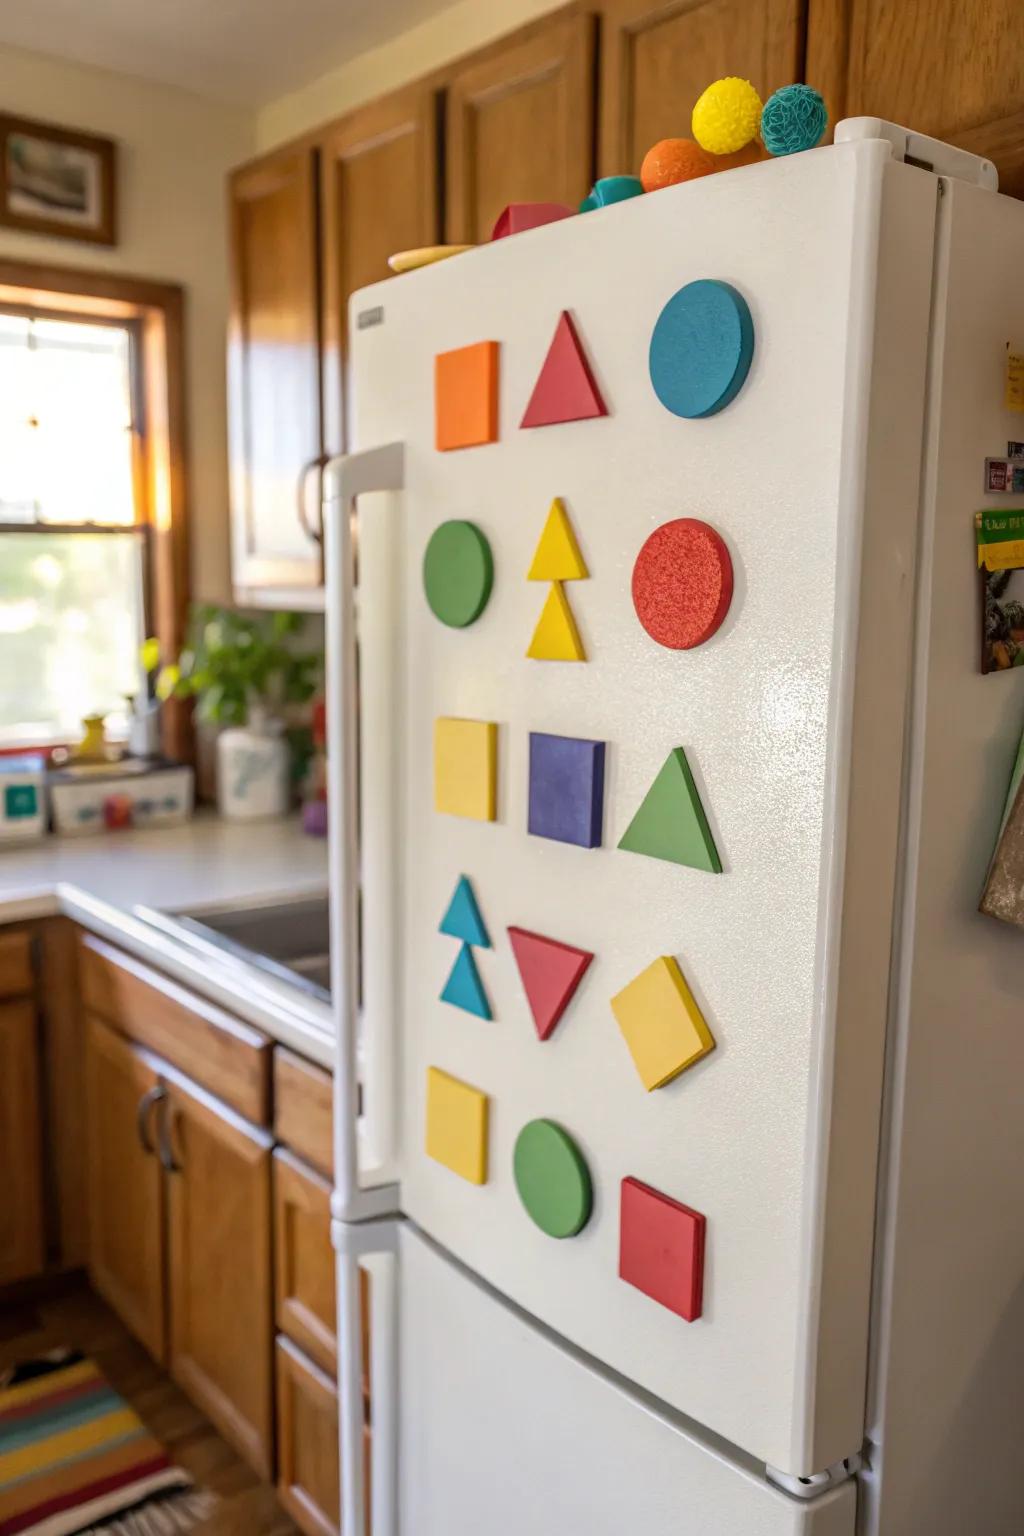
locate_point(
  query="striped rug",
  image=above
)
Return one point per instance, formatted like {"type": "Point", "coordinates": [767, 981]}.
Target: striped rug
{"type": "Point", "coordinates": [75, 1458]}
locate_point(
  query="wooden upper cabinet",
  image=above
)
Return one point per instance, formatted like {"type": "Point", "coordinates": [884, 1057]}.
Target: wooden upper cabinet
{"type": "Point", "coordinates": [21, 1144]}
{"type": "Point", "coordinates": [125, 1183]}
{"type": "Point", "coordinates": [221, 1306]}
{"type": "Point", "coordinates": [949, 69]}
{"type": "Point", "coordinates": [380, 194]}
{"type": "Point", "coordinates": [657, 58]}
{"type": "Point", "coordinates": [274, 372]}
{"type": "Point", "coordinates": [520, 124]}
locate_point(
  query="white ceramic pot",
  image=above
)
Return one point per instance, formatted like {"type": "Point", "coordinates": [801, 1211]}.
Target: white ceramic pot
{"type": "Point", "coordinates": [252, 770]}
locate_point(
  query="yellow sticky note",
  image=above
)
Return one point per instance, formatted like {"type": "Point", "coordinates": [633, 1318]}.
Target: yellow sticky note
{"type": "Point", "coordinates": [457, 1125]}
{"type": "Point", "coordinates": [661, 1023]}
{"type": "Point", "coordinates": [556, 637]}
{"type": "Point", "coordinates": [1014, 379]}
{"type": "Point", "coordinates": [466, 768]}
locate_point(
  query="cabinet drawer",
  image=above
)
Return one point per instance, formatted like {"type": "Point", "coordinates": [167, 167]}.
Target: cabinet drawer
{"type": "Point", "coordinates": [219, 1052]}
{"type": "Point", "coordinates": [303, 1109]}
{"type": "Point", "coordinates": [304, 1291]}
{"type": "Point", "coordinates": [308, 1482]}
{"type": "Point", "coordinates": [16, 974]}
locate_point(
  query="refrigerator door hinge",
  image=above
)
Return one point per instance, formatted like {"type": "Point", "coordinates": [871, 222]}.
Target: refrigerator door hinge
{"type": "Point", "coordinates": [816, 1482]}
{"type": "Point", "coordinates": [918, 149]}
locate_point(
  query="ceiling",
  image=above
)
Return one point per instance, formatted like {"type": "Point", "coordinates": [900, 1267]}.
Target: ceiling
{"type": "Point", "coordinates": [244, 51]}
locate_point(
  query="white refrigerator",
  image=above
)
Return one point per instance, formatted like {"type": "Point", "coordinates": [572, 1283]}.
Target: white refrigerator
{"type": "Point", "coordinates": [717, 1232]}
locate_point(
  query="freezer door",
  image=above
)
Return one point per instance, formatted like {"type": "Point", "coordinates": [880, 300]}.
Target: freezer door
{"type": "Point", "coordinates": [503, 1430]}
{"type": "Point", "coordinates": [792, 720]}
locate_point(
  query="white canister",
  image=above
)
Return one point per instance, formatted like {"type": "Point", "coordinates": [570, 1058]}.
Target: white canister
{"type": "Point", "coordinates": [252, 770]}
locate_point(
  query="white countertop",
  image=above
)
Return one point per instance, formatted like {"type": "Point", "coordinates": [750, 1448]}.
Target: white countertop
{"type": "Point", "coordinates": [101, 882]}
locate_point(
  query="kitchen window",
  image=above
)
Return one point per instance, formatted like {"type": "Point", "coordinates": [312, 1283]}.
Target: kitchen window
{"type": "Point", "coordinates": [73, 524]}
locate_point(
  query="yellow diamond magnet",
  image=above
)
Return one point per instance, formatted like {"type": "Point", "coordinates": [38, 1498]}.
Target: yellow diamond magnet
{"type": "Point", "coordinates": [661, 1023]}
{"type": "Point", "coordinates": [457, 1125]}
{"type": "Point", "coordinates": [466, 768]}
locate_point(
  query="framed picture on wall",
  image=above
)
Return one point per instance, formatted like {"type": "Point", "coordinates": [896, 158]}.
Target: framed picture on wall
{"type": "Point", "coordinates": [54, 181]}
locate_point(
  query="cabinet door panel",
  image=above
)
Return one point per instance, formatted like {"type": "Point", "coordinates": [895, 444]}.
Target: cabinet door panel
{"type": "Point", "coordinates": [274, 369]}
{"type": "Point", "coordinates": [379, 179]}
{"type": "Point", "coordinates": [657, 58]}
{"type": "Point", "coordinates": [220, 1268]}
{"type": "Point", "coordinates": [520, 120]}
{"type": "Point", "coordinates": [305, 1300]}
{"type": "Point", "coordinates": [950, 70]}
{"type": "Point", "coordinates": [307, 1436]}
{"type": "Point", "coordinates": [21, 1196]}
{"type": "Point", "coordinates": [125, 1185]}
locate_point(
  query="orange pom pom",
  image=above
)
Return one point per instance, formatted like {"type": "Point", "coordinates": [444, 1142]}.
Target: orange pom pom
{"type": "Point", "coordinates": [748, 155]}
{"type": "Point", "coordinates": [673, 160]}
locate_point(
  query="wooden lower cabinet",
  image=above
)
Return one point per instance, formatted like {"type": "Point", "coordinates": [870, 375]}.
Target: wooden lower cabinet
{"type": "Point", "coordinates": [305, 1298]}
{"type": "Point", "coordinates": [307, 1442]}
{"type": "Point", "coordinates": [125, 1183]}
{"type": "Point", "coordinates": [22, 1244]}
{"type": "Point", "coordinates": [219, 1246]}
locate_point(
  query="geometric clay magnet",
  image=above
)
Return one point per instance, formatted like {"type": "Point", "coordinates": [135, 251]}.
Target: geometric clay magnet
{"type": "Point", "coordinates": [550, 973]}
{"type": "Point", "coordinates": [682, 583]}
{"type": "Point", "coordinates": [701, 348]}
{"type": "Point", "coordinates": [457, 573]}
{"type": "Point", "coordinates": [670, 822]}
{"type": "Point", "coordinates": [661, 1248]}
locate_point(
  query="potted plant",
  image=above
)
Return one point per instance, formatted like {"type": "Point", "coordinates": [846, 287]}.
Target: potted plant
{"type": "Point", "coordinates": [245, 671]}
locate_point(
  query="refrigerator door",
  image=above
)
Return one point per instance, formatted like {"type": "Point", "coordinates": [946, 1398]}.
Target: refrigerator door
{"type": "Point", "coordinates": [791, 717]}
{"type": "Point", "coordinates": [502, 1429]}
{"type": "Point", "coordinates": [946, 1406]}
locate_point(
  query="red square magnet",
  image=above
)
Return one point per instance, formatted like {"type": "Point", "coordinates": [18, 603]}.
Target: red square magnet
{"type": "Point", "coordinates": [661, 1248]}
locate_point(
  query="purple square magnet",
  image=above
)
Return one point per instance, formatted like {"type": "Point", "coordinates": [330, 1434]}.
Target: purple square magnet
{"type": "Point", "coordinates": [566, 789]}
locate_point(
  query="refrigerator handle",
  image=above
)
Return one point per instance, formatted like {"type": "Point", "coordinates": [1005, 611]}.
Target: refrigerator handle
{"type": "Point", "coordinates": [373, 1247]}
{"type": "Point", "coordinates": [345, 479]}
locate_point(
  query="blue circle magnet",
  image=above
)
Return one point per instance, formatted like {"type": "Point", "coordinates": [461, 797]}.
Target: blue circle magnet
{"type": "Point", "coordinates": [701, 348]}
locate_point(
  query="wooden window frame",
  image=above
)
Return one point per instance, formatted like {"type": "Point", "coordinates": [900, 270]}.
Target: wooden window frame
{"type": "Point", "coordinates": [156, 313]}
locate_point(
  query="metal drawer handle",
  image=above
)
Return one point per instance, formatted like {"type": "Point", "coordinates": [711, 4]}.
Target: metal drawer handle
{"type": "Point", "coordinates": [149, 1099]}
{"type": "Point", "coordinates": [163, 1136]}
{"type": "Point", "coordinates": [315, 534]}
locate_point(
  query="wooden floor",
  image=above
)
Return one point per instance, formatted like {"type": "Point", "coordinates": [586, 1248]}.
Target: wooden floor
{"type": "Point", "coordinates": [79, 1319]}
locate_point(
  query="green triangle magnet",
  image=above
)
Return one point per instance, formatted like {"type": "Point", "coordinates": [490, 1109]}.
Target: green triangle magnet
{"type": "Point", "coordinates": [670, 823]}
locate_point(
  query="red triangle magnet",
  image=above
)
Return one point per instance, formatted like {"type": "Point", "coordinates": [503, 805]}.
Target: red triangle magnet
{"type": "Point", "coordinates": [550, 973]}
{"type": "Point", "coordinates": [565, 389]}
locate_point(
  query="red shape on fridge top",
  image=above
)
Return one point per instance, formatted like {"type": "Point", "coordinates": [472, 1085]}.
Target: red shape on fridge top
{"type": "Point", "coordinates": [565, 389]}
{"type": "Point", "coordinates": [550, 973]}
{"type": "Point", "coordinates": [661, 1248]}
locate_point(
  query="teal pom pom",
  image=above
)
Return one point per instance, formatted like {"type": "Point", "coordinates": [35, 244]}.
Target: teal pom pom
{"type": "Point", "coordinates": [795, 118]}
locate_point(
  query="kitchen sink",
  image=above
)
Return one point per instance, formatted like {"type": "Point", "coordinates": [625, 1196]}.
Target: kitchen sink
{"type": "Point", "coordinates": [289, 940]}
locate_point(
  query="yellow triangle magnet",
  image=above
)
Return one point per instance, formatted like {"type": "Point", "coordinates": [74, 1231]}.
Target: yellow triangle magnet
{"type": "Point", "coordinates": [556, 637]}
{"type": "Point", "coordinates": [557, 556]}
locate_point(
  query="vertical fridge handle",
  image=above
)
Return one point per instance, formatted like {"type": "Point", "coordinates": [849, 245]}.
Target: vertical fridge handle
{"type": "Point", "coordinates": [372, 1246]}
{"type": "Point", "coordinates": [345, 479]}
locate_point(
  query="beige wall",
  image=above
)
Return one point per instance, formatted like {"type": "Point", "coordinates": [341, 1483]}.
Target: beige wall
{"type": "Point", "coordinates": [456, 30]}
{"type": "Point", "coordinates": [174, 152]}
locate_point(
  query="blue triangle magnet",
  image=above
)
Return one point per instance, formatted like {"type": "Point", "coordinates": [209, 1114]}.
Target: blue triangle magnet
{"type": "Point", "coordinates": [463, 920]}
{"type": "Point", "coordinates": [464, 988]}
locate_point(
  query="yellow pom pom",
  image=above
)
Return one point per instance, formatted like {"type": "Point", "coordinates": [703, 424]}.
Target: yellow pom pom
{"type": "Point", "coordinates": [727, 116]}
